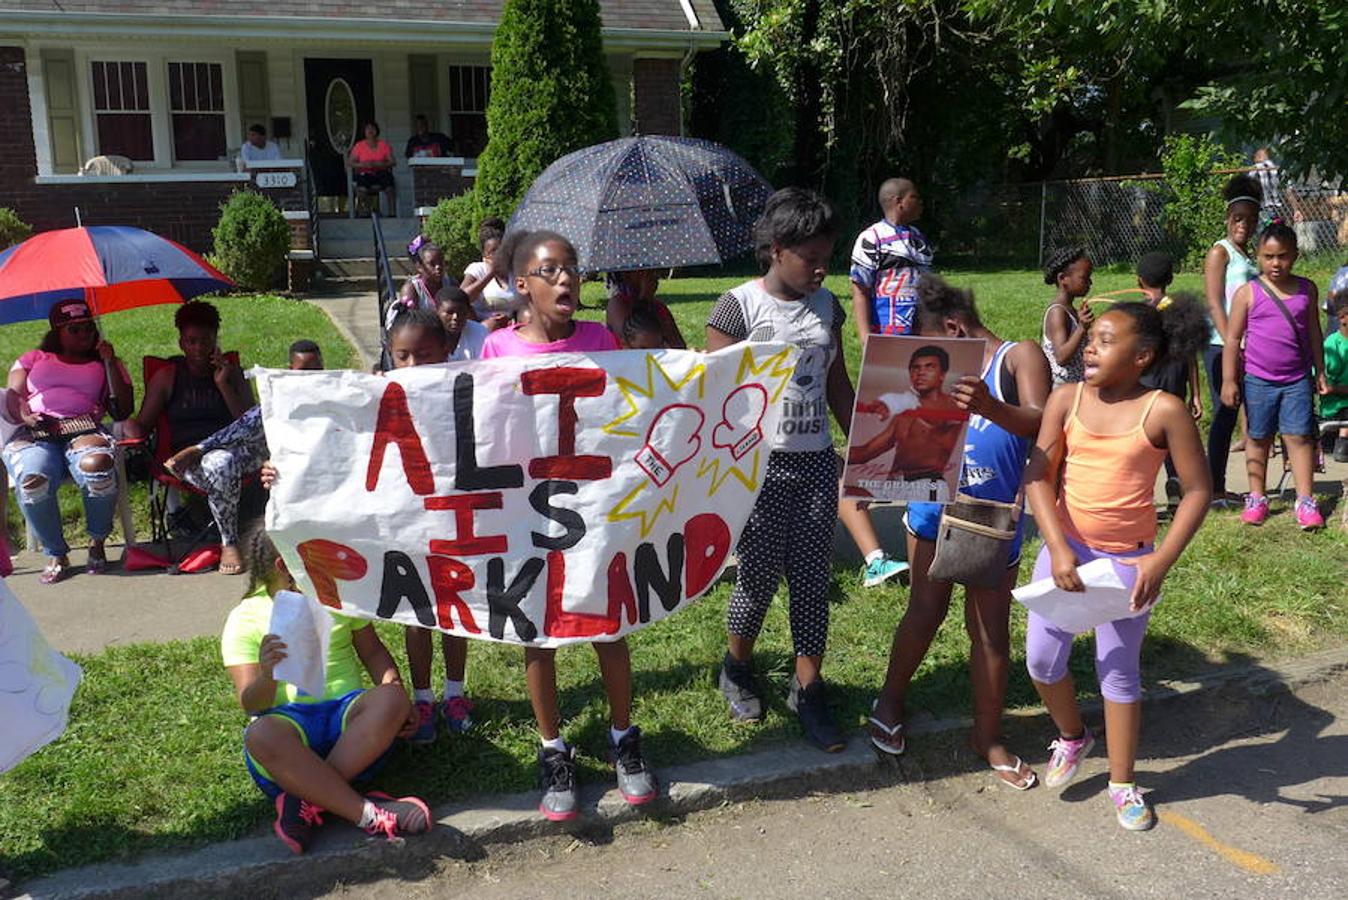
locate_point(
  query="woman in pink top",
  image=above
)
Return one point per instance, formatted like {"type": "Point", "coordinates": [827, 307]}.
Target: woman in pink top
{"type": "Point", "coordinates": [541, 265]}
{"type": "Point", "coordinates": [372, 164]}
{"type": "Point", "coordinates": [60, 393]}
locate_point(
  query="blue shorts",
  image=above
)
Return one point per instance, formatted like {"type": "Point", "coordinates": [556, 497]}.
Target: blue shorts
{"type": "Point", "coordinates": [1272, 408]}
{"type": "Point", "coordinates": [923, 521]}
{"type": "Point", "coordinates": [320, 726]}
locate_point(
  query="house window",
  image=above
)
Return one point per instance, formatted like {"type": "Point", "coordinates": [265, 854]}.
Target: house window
{"type": "Point", "coordinates": [122, 109]}
{"type": "Point", "coordinates": [469, 91]}
{"type": "Point", "coordinates": [197, 110]}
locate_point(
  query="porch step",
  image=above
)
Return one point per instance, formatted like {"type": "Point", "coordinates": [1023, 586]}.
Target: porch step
{"type": "Point", "coordinates": [362, 268]}
{"type": "Point", "coordinates": [341, 238]}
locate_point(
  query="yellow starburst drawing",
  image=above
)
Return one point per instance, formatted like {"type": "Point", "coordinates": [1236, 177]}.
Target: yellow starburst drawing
{"type": "Point", "coordinates": [648, 517]}
{"type": "Point", "coordinates": [779, 365]}
{"type": "Point", "coordinates": [631, 390]}
{"type": "Point", "coordinates": [719, 472]}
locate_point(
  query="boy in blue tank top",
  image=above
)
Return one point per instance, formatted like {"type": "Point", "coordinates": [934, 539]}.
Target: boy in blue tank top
{"type": "Point", "coordinates": [1007, 403]}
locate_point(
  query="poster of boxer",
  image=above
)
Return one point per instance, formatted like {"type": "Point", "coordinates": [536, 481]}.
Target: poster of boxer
{"type": "Point", "coordinates": [907, 438]}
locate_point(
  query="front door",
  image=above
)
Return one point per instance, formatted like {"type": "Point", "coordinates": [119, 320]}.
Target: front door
{"type": "Point", "coordinates": [340, 100]}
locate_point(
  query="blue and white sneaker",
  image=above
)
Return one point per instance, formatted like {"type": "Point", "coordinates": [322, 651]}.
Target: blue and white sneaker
{"type": "Point", "coordinates": [882, 570]}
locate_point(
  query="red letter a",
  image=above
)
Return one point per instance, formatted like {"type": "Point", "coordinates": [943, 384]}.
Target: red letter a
{"type": "Point", "coordinates": [394, 424]}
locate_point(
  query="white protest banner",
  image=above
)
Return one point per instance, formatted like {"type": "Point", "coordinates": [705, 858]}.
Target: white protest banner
{"type": "Point", "coordinates": [36, 684]}
{"type": "Point", "coordinates": [907, 439]}
{"type": "Point", "coordinates": [539, 500]}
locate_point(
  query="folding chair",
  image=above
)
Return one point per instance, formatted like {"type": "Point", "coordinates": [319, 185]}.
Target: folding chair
{"type": "Point", "coordinates": [158, 448]}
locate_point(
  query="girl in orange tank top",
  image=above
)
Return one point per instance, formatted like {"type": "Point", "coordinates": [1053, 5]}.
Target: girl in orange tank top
{"type": "Point", "coordinates": [1103, 442]}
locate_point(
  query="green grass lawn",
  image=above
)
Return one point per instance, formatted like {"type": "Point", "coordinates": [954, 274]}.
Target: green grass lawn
{"type": "Point", "coordinates": [260, 327]}
{"type": "Point", "coordinates": [152, 758]}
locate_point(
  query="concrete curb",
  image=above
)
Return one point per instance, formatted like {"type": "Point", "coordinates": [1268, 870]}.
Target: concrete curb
{"type": "Point", "coordinates": [261, 867]}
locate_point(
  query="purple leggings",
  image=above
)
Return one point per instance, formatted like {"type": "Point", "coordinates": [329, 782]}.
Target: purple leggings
{"type": "Point", "coordinates": [1118, 644]}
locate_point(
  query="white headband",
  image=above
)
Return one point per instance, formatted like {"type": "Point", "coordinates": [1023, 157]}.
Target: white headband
{"type": "Point", "coordinates": [1242, 198]}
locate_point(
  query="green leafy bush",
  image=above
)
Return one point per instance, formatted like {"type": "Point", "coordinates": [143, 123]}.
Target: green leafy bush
{"type": "Point", "coordinates": [13, 230]}
{"type": "Point", "coordinates": [251, 240]}
{"type": "Point", "coordinates": [1194, 212]}
{"type": "Point", "coordinates": [551, 93]}
{"type": "Point", "coordinates": [452, 226]}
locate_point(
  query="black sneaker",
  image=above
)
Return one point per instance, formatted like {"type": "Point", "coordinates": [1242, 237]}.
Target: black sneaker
{"type": "Point", "coordinates": [811, 706]}
{"type": "Point", "coordinates": [557, 775]}
{"type": "Point", "coordinates": [636, 782]}
{"type": "Point", "coordinates": [740, 689]}
{"type": "Point", "coordinates": [295, 821]}
{"type": "Point", "coordinates": [1341, 449]}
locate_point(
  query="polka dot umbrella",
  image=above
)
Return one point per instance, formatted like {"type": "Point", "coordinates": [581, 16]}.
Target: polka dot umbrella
{"type": "Point", "coordinates": [648, 202]}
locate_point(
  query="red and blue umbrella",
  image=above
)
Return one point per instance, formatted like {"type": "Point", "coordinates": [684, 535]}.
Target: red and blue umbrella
{"type": "Point", "coordinates": [112, 267]}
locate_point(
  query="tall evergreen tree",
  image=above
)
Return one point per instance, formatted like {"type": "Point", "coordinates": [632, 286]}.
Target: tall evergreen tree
{"type": "Point", "coordinates": [551, 93]}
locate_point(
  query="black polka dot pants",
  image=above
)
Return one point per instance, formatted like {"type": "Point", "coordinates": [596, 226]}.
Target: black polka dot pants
{"type": "Point", "coordinates": [790, 532]}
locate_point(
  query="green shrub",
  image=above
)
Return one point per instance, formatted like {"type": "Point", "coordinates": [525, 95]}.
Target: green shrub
{"type": "Point", "coordinates": [551, 93]}
{"type": "Point", "coordinates": [13, 230]}
{"type": "Point", "coordinates": [251, 240]}
{"type": "Point", "coordinates": [1194, 212]}
{"type": "Point", "coordinates": [452, 226]}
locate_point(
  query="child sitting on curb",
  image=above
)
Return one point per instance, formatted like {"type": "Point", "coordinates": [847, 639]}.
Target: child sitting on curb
{"type": "Point", "coordinates": [304, 752]}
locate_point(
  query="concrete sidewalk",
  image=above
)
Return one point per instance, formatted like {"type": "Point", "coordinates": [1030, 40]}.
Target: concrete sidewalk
{"type": "Point", "coordinates": [1201, 728]}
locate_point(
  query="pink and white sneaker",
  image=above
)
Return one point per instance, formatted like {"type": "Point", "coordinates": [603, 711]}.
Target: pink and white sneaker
{"type": "Point", "coordinates": [1066, 758]}
{"type": "Point", "coordinates": [1256, 509]}
{"type": "Point", "coordinates": [457, 713]}
{"type": "Point", "coordinates": [1308, 514]}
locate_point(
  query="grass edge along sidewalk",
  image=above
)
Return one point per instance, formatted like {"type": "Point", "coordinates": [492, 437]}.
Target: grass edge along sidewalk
{"type": "Point", "coordinates": [343, 855]}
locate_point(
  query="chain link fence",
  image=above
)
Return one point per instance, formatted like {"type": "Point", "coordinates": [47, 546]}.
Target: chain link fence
{"type": "Point", "coordinates": [1116, 219]}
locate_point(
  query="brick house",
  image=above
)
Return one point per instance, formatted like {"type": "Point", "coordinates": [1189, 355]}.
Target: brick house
{"type": "Point", "coordinates": [174, 85]}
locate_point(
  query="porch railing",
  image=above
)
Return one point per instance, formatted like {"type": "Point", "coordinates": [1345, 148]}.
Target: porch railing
{"type": "Point", "coordinates": [311, 199]}
{"type": "Point", "coordinates": [386, 290]}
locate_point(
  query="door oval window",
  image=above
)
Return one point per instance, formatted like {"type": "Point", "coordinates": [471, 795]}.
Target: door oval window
{"type": "Point", "coordinates": [339, 109]}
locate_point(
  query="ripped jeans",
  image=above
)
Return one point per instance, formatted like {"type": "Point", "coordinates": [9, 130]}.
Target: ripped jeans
{"type": "Point", "coordinates": [51, 461]}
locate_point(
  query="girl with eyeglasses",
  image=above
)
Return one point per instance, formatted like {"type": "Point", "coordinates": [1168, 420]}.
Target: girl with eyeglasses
{"type": "Point", "coordinates": [541, 266]}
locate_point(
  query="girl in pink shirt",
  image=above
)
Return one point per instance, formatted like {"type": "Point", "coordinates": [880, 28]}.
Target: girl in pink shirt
{"type": "Point", "coordinates": [66, 378]}
{"type": "Point", "coordinates": [541, 267]}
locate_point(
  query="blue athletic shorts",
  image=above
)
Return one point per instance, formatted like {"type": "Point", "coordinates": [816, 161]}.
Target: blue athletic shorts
{"type": "Point", "coordinates": [1272, 408]}
{"type": "Point", "coordinates": [923, 521]}
{"type": "Point", "coordinates": [320, 725]}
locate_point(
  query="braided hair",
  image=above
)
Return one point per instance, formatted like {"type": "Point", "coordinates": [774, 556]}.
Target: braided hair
{"type": "Point", "coordinates": [1059, 260]}
{"type": "Point", "coordinates": [260, 558]}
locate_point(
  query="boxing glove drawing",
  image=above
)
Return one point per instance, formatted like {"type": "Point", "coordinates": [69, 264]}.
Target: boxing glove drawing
{"type": "Point", "coordinates": [741, 425]}
{"type": "Point", "coordinates": [672, 440]}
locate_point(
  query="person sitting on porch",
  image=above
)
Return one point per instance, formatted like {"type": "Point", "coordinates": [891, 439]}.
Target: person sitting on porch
{"type": "Point", "coordinates": [371, 160]}
{"type": "Point", "coordinates": [425, 142]}
{"type": "Point", "coordinates": [257, 148]}
{"type": "Point", "coordinates": [199, 394]}
{"type": "Point", "coordinates": [59, 392]}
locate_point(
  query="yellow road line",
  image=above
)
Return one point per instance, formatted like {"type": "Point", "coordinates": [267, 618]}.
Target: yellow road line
{"type": "Point", "coordinates": [1250, 862]}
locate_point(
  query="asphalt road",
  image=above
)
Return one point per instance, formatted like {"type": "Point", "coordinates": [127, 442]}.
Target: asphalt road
{"type": "Point", "coordinates": [1251, 792]}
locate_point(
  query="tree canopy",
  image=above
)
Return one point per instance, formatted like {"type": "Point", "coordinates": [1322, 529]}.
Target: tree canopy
{"type": "Point", "coordinates": [1050, 88]}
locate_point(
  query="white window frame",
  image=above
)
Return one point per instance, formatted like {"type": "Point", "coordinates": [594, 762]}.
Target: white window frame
{"type": "Point", "coordinates": [161, 124]}
{"type": "Point", "coordinates": [449, 109]}
{"type": "Point", "coordinates": [94, 112]}
{"type": "Point", "coordinates": [223, 112]}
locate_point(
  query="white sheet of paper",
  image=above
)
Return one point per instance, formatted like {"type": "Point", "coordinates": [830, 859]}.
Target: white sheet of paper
{"type": "Point", "coordinates": [1105, 599]}
{"type": "Point", "coordinates": [306, 627]}
{"type": "Point", "coordinates": [36, 684]}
